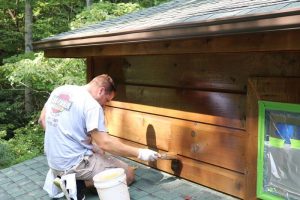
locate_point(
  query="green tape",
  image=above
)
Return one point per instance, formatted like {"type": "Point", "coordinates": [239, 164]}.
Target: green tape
{"type": "Point", "coordinates": [276, 142]}
{"type": "Point", "coordinates": [295, 144]}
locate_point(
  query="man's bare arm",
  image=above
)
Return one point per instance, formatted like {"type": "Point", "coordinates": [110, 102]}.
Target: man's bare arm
{"type": "Point", "coordinates": [41, 120]}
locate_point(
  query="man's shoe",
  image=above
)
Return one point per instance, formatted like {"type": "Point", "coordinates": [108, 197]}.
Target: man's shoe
{"type": "Point", "coordinates": [80, 186]}
{"type": "Point", "coordinates": [62, 185]}
{"type": "Point", "coordinates": [57, 182]}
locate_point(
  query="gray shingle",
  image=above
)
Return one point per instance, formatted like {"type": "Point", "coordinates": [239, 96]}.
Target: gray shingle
{"type": "Point", "coordinates": [150, 184]}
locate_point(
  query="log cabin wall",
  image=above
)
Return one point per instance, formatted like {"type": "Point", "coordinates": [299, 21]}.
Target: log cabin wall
{"type": "Point", "coordinates": [193, 105]}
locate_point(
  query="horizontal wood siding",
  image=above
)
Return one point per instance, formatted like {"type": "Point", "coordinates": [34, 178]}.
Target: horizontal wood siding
{"type": "Point", "coordinates": [213, 85]}
{"type": "Point", "coordinates": [207, 143]}
{"type": "Point", "coordinates": [210, 103]}
{"type": "Point", "coordinates": [212, 176]}
{"type": "Point", "coordinates": [196, 106]}
{"type": "Point", "coordinates": [221, 72]}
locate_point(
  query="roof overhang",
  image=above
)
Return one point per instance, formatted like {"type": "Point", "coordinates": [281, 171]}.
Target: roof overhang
{"type": "Point", "coordinates": [283, 20]}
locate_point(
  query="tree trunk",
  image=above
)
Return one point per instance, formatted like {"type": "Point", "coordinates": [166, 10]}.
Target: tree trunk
{"type": "Point", "coordinates": [28, 48]}
{"type": "Point", "coordinates": [89, 3]}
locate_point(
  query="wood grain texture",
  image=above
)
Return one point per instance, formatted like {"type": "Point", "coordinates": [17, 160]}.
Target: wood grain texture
{"type": "Point", "coordinates": [219, 146]}
{"type": "Point", "coordinates": [177, 114]}
{"type": "Point", "coordinates": [252, 141]}
{"type": "Point", "coordinates": [227, 72]}
{"type": "Point", "coordinates": [218, 104]}
{"type": "Point", "coordinates": [214, 177]}
{"type": "Point", "coordinates": [279, 89]}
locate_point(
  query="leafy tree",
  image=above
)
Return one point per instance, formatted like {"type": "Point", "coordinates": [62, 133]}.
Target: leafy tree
{"type": "Point", "coordinates": [52, 17]}
{"type": "Point", "coordinates": [6, 156]}
{"type": "Point", "coordinates": [102, 11]}
{"type": "Point", "coordinates": [45, 73]}
{"type": "Point", "coordinates": [11, 28]}
{"type": "Point", "coordinates": [45, 22]}
{"type": "Point", "coordinates": [28, 48]}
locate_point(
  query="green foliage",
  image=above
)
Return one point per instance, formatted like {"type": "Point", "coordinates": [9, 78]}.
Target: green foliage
{"type": "Point", "coordinates": [11, 23]}
{"type": "Point", "coordinates": [44, 74]}
{"type": "Point", "coordinates": [6, 156]}
{"type": "Point", "coordinates": [11, 111]}
{"type": "Point", "coordinates": [49, 18]}
{"type": "Point", "coordinates": [27, 143]}
{"type": "Point", "coordinates": [46, 23]}
{"type": "Point", "coordinates": [149, 3]}
{"type": "Point", "coordinates": [102, 11]}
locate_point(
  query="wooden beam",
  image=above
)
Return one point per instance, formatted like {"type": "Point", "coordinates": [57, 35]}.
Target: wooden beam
{"type": "Point", "coordinates": [89, 69]}
{"type": "Point", "coordinates": [287, 40]}
{"type": "Point", "coordinates": [216, 145]}
{"type": "Point", "coordinates": [252, 140]}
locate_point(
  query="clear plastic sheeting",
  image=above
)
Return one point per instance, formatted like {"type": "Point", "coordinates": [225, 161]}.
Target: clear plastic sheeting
{"type": "Point", "coordinates": [282, 154]}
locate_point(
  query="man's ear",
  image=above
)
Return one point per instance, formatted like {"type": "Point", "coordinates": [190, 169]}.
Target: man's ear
{"type": "Point", "coordinates": [101, 90]}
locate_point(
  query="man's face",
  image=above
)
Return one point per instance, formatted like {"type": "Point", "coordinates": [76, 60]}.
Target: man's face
{"type": "Point", "coordinates": [105, 97]}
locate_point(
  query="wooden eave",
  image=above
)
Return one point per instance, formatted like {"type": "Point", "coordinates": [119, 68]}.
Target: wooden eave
{"type": "Point", "coordinates": [260, 23]}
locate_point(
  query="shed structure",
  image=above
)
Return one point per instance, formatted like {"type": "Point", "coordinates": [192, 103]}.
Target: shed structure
{"type": "Point", "coordinates": [189, 76]}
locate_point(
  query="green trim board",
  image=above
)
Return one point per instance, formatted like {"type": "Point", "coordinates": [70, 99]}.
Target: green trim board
{"type": "Point", "coordinates": [278, 141]}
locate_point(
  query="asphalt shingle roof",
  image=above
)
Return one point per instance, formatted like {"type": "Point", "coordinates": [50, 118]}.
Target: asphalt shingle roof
{"type": "Point", "coordinates": [25, 181]}
{"type": "Point", "coordinates": [180, 12]}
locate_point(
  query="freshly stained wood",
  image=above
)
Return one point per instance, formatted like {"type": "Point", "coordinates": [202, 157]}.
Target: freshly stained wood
{"type": "Point", "coordinates": [252, 140]}
{"type": "Point", "coordinates": [277, 89]}
{"type": "Point", "coordinates": [227, 72]}
{"type": "Point", "coordinates": [287, 40]}
{"type": "Point", "coordinates": [212, 144]}
{"type": "Point", "coordinates": [190, 116]}
{"type": "Point", "coordinates": [219, 104]}
{"type": "Point", "coordinates": [136, 126]}
{"type": "Point", "coordinates": [212, 176]}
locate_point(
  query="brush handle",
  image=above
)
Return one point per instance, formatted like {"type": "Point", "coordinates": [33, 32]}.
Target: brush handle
{"type": "Point", "coordinates": [168, 156]}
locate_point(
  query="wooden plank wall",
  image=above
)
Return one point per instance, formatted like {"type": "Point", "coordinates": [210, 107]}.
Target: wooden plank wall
{"type": "Point", "coordinates": [191, 104]}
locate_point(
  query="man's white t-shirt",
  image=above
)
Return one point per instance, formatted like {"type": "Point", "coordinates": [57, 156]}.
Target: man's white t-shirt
{"type": "Point", "coordinates": [71, 112]}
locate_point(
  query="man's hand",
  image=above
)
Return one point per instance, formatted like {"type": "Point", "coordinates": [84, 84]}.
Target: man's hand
{"type": "Point", "coordinates": [148, 155]}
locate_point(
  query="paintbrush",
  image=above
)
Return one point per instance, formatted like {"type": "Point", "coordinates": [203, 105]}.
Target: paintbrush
{"type": "Point", "coordinates": [168, 156]}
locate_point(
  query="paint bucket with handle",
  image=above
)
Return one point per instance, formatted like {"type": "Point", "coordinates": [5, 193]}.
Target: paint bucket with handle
{"type": "Point", "coordinates": [111, 184]}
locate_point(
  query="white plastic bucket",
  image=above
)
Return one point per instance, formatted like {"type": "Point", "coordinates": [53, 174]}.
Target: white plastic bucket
{"type": "Point", "coordinates": [111, 184]}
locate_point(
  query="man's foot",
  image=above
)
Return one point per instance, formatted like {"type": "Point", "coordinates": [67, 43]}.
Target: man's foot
{"type": "Point", "coordinates": [80, 185]}
{"type": "Point", "coordinates": [62, 186]}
